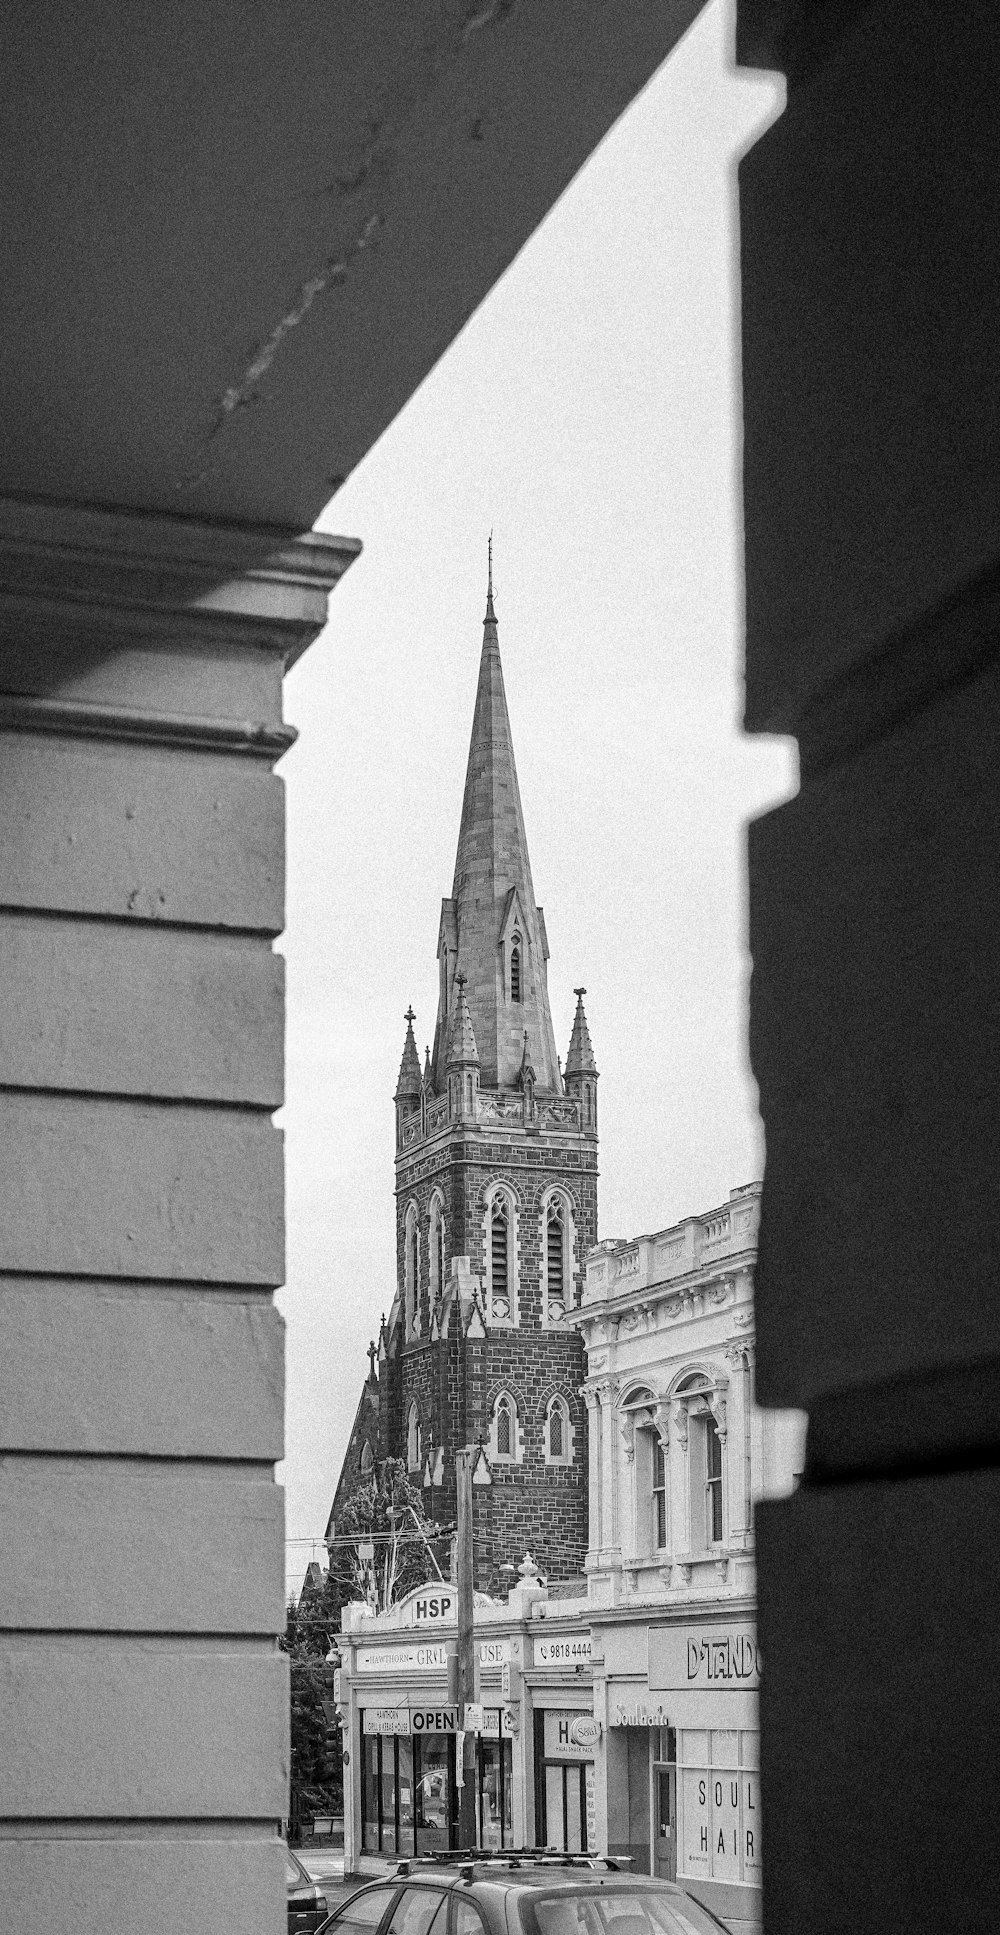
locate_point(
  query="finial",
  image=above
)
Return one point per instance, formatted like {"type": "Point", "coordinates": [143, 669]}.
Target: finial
{"type": "Point", "coordinates": [409, 1015]}
{"type": "Point", "coordinates": [491, 617]}
{"type": "Point", "coordinates": [491, 565]}
{"type": "Point", "coordinates": [579, 992]}
{"type": "Point", "coordinates": [460, 979]}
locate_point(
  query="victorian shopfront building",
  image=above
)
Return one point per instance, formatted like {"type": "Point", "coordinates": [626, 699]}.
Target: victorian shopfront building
{"type": "Point", "coordinates": [533, 1716]}
{"type": "Point", "coordinates": [625, 1722]}
{"type": "Point", "coordinates": [679, 1452]}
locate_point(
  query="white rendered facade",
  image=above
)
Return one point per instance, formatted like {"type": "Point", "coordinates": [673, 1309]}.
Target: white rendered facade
{"type": "Point", "coordinates": [667, 1321]}
{"type": "Point", "coordinates": [679, 1453]}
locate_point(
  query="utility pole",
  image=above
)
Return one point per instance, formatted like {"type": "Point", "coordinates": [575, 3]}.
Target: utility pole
{"type": "Point", "coordinates": [467, 1826]}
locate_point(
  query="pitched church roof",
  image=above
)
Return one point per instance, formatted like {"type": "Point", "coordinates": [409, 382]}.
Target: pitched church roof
{"type": "Point", "coordinates": [492, 909]}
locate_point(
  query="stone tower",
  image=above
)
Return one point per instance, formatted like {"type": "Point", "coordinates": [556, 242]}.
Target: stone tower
{"type": "Point", "coordinates": [496, 1193]}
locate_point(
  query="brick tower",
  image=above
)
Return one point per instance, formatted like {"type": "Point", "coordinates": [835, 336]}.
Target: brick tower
{"type": "Point", "coordinates": [496, 1195]}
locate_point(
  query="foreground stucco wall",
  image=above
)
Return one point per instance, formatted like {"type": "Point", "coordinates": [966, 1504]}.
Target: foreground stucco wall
{"type": "Point", "coordinates": [143, 1702]}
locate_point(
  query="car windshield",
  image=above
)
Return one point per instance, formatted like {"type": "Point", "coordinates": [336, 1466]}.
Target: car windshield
{"type": "Point", "coordinates": [642, 1912]}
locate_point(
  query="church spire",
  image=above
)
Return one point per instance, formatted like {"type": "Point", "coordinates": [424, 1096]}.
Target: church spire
{"type": "Point", "coordinates": [409, 1068]}
{"type": "Point", "coordinates": [491, 928]}
{"type": "Point", "coordinates": [580, 1060]}
{"type": "Point", "coordinates": [462, 1050]}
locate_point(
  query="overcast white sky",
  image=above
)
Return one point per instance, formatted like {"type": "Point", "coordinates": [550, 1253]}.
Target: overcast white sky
{"type": "Point", "coordinates": [588, 414]}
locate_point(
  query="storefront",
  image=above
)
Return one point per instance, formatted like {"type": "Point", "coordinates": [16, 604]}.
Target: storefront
{"type": "Point", "coordinates": [682, 1755]}
{"type": "Point", "coordinates": [565, 1790]}
{"type": "Point", "coordinates": [536, 1739]}
{"type": "Point", "coordinates": [398, 1699]}
{"type": "Point", "coordinates": [409, 1793]}
{"type": "Point", "coordinates": [565, 1739]}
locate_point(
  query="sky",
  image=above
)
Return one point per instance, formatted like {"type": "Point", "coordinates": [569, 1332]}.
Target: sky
{"type": "Point", "coordinates": [588, 415]}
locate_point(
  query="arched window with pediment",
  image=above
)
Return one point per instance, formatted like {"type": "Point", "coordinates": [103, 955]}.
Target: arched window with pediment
{"type": "Point", "coordinates": [642, 1419]}
{"type": "Point", "coordinates": [699, 1418]}
{"type": "Point", "coordinates": [501, 1249]}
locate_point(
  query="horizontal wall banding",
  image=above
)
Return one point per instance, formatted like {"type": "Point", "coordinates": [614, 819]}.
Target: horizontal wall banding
{"type": "Point", "coordinates": [167, 1373]}
{"type": "Point", "coordinates": [205, 1012]}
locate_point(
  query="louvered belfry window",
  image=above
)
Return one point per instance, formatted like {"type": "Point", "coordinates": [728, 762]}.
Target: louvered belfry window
{"type": "Point", "coordinates": [555, 1245]}
{"type": "Point", "coordinates": [440, 1256]}
{"type": "Point", "coordinates": [498, 1225]}
{"type": "Point", "coordinates": [515, 972]}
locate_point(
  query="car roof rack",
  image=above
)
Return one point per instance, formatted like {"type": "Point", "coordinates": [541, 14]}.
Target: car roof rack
{"type": "Point", "coordinates": [465, 1859]}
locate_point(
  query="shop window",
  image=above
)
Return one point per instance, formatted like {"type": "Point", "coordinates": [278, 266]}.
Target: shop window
{"type": "Point", "coordinates": [719, 1806]}
{"type": "Point", "coordinates": [413, 1438]}
{"type": "Point", "coordinates": [495, 1782]}
{"type": "Point", "coordinates": [564, 1786]}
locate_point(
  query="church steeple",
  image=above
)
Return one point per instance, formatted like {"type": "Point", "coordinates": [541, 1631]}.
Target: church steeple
{"type": "Point", "coordinates": [408, 1084]}
{"type": "Point", "coordinates": [491, 928]}
{"type": "Point", "coordinates": [581, 1068]}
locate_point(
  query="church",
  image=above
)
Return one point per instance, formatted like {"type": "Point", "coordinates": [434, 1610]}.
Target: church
{"type": "Point", "coordinates": [496, 1205]}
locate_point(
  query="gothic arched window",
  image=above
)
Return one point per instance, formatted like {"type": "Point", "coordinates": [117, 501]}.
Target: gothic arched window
{"type": "Point", "coordinates": [504, 1435]}
{"type": "Point", "coordinates": [367, 1460]}
{"type": "Point", "coordinates": [413, 1438]}
{"type": "Point", "coordinates": [437, 1250]}
{"type": "Point", "coordinates": [558, 1433]}
{"type": "Point", "coordinates": [515, 969]}
{"type": "Point", "coordinates": [555, 1256]}
{"type": "Point", "coordinates": [500, 1256]}
{"type": "Point", "coordinates": [411, 1273]}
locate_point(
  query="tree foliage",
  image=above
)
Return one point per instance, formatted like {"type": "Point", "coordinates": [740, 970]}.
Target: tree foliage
{"type": "Point", "coordinates": [388, 1549]}
{"type": "Point", "coordinates": [317, 1778]}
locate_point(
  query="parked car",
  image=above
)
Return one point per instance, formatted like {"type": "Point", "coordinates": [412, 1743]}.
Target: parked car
{"type": "Point", "coordinates": [526, 1893]}
{"type": "Point", "coordinates": [307, 1908]}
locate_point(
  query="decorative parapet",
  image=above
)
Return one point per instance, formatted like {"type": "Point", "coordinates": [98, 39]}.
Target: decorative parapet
{"type": "Point", "coordinates": [496, 1109]}
{"type": "Point", "coordinates": [615, 1269]}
